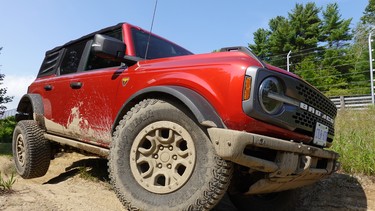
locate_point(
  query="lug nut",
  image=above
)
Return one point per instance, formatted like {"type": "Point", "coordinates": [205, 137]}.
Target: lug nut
{"type": "Point", "coordinates": [169, 166]}
{"type": "Point", "coordinates": [159, 165]}
{"type": "Point", "coordinates": [156, 156]}
{"type": "Point", "coordinates": [174, 157]}
{"type": "Point", "coordinates": [171, 148]}
{"type": "Point", "coordinates": [161, 147]}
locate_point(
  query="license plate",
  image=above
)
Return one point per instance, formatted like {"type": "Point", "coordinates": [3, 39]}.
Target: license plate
{"type": "Point", "coordinates": [321, 134]}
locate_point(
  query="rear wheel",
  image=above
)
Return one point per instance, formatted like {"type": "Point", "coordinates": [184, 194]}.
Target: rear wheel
{"type": "Point", "coordinates": [160, 159]}
{"type": "Point", "coordinates": [31, 151]}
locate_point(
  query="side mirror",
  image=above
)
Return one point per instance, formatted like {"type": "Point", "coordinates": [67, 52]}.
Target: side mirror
{"type": "Point", "coordinates": [108, 48]}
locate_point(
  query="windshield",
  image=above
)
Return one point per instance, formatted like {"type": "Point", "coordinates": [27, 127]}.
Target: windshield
{"type": "Point", "coordinates": [158, 47]}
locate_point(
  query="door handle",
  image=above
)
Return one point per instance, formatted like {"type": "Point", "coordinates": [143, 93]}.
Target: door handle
{"type": "Point", "coordinates": [76, 85]}
{"type": "Point", "coordinates": [48, 87]}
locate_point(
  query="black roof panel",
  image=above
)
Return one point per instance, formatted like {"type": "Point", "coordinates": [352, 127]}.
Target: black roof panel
{"type": "Point", "coordinates": [85, 37]}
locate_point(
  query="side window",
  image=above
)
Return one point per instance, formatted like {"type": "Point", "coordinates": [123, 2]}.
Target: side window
{"type": "Point", "coordinates": [50, 63]}
{"type": "Point", "coordinates": [72, 58]}
{"type": "Point", "coordinates": [158, 48]}
{"type": "Point", "coordinates": [95, 62]}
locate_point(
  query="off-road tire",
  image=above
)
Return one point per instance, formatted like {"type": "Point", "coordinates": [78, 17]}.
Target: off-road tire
{"type": "Point", "coordinates": [280, 201]}
{"type": "Point", "coordinates": [201, 190]}
{"type": "Point", "coordinates": [31, 151]}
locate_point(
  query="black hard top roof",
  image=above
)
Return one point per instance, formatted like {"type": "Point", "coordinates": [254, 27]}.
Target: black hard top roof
{"type": "Point", "coordinates": [85, 37]}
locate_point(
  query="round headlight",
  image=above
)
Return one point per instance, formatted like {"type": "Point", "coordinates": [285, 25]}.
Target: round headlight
{"type": "Point", "coordinates": [270, 85]}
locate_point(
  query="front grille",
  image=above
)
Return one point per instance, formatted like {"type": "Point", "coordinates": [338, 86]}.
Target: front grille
{"type": "Point", "coordinates": [311, 97]}
{"type": "Point", "coordinates": [306, 121]}
{"type": "Point", "coordinates": [312, 106]}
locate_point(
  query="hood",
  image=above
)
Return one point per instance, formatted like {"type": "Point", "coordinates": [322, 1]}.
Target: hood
{"type": "Point", "coordinates": [277, 69]}
{"type": "Point", "coordinates": [201, 60]}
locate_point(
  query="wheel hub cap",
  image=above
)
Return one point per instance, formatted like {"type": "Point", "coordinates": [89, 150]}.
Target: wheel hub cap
{"type": "Point", "coordinates": [20, 150]}
{"type": "Point", "coordinates": [162, 157]}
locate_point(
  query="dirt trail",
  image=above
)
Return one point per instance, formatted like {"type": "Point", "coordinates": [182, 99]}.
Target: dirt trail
{"type": "Point", "coordinates": [63, 188]}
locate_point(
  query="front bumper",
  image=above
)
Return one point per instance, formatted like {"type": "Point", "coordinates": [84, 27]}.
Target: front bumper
{"type": "Point", "coordinates": [288, 164]}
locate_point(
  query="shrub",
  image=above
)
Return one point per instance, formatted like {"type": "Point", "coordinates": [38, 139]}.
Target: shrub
{"type": "Point", "coordinates": [7, 126]}
{"type": "Point", "coordinates": [6, 184]}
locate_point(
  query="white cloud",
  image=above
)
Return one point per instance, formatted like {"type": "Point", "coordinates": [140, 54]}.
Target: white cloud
{"type": "Point", "coordinates": [17, 87]}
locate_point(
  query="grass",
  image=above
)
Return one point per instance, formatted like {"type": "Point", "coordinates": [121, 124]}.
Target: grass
{"type": "Point", "coordinates": [6, 149]}
{"type": "Point", "coordinates": [355, 140]}
{"type": "Point", "coordinates": [6, 183]}
{"type": "Point", "coordinates": [93, 169]}
{"type": "Point", "coordinates": [85, 173]}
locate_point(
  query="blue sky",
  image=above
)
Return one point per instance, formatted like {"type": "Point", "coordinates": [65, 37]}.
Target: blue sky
{"type": "Point", "coordinates": [29, 28]}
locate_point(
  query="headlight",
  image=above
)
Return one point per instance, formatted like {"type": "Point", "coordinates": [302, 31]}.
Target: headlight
{"type": "Point", "coordinates": [270, 85]}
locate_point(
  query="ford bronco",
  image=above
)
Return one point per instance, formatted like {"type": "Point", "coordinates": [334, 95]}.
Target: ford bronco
{"type": "Point", "coordinates": [180, 131]}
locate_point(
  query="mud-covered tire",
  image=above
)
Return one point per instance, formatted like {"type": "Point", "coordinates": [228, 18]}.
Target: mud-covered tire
{"type": "Point", "coordinates": [147, 146]}
{"type": "Point", "coordinates": [31, 151]}
{"type": "Point", "coordinates": [280, 201]}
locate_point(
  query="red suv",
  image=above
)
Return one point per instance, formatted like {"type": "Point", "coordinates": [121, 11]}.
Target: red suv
{"type": "Point", "coordinates": [179, 130]}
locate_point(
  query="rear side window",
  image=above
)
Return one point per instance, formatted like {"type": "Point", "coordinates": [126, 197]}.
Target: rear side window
{"type": "Point", "coordinates": [76, 56]}
{"type": "Point", "coordinates": [50, 64]}
{"type": "Point", "coordinates": [72, 57]}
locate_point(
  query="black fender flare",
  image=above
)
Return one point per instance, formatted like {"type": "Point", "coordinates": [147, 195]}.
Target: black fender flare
{"type": "Point", "coordinates": [36, 111]}
{"type": "Point", "coordinates": [203, 111]}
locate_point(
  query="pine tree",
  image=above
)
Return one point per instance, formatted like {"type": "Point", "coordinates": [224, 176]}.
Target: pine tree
{"type": "Point", "coordinates": [319, 41]}
{"type": "Point", "coordinates": [335, 34]}
{"type": "Point", "coordinates": [369, 14]}
{"type": "Point", "coordinates": [335, 31]}
{"type": "Point", "coordinates": [306, 23]}
{"type": "Point", "coordinates": [261, 46]}
{"type": "Point", "coordinates": [280, 40]}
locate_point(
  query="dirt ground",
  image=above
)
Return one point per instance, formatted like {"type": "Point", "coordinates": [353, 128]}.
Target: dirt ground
{"type": "Point", "coordinates": [65, 187]}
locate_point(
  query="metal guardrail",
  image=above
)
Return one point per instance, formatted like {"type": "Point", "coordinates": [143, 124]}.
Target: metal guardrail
{"type": "Point", "coordinates": [8, 113]}
{"type": "Point", "coordinates": [352, 102]}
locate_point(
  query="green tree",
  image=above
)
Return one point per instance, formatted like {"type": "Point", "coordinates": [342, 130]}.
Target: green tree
{"type": "Point", "coordinates": [280, 40]}
{"type": "Point", "coordinates": [335, 31]}
{"type": "Point", "coordinates": [333, 71]}
{"type": "Point", "coordinates": [307, 69]}
{"type": "Point", "coordinates": [7, 126]}
{"type": "Point", "coordinates": [369, 14]}
{"type": "Point", "coordinates": [3, 97]}
{"type": "Point", "coordinates": [359, 72]}
{"type": "Point", "coordinates": [359, 51]}
{"type": "Point", "coordinates": [299, 31]}
{"type": "Point", "coordinates": [306, 23]}
{"type": "Point", "coordinates": [261, 46]}
{"type": "Point", "coordinates": [335, 34]}
{"type": "Point", "coordinates": [319, 41]}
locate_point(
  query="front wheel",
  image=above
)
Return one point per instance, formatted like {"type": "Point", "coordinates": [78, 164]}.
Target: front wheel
{"type": "Point", "coordinates": [160, 159]}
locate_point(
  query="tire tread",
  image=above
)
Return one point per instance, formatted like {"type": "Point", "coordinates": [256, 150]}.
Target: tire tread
{"type": "Point", "coordinates": [38, 152]}
{"type": "Point", "coordinates": [216, 189]}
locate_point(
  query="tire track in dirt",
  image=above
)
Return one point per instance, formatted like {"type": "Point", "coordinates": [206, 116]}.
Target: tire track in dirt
{"type": "Point", "coordinates": [60, 189]}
